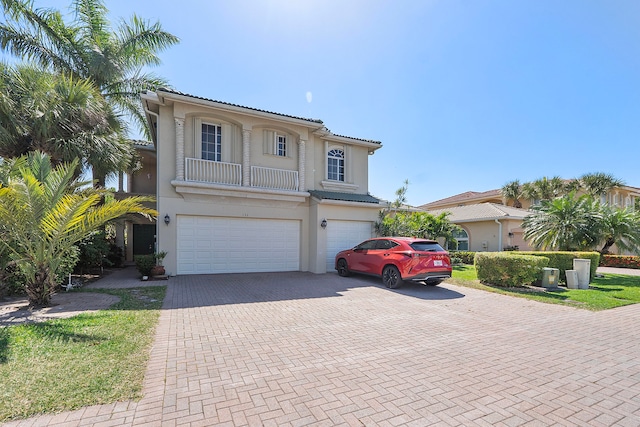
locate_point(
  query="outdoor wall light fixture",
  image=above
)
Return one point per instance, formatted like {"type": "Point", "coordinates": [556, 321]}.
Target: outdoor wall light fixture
{"type": "Point", "coordinates": [323, 223]}
{"type": "Point", "coordinates": [167, 219]}
{"type": "Point", "coordinates": [510, 234]}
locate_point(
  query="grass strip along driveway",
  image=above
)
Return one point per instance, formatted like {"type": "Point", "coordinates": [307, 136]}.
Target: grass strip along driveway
{"type": "Point", "coordinates": [89, 359]}
{"type": "Point", "coordinates": [610, 291]}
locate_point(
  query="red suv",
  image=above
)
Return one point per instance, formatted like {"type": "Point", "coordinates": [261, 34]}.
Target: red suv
{"type": "Point", "coordinates": [396, 259]}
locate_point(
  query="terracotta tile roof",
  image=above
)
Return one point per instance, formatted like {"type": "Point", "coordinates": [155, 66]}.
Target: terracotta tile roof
{"type": "Point", "coordinates": [465, 197]}
{"type": "Point", "coordinates": [346, 197]}
{"type": "Point", "coordinates": [315, 121]}
{"type": "Point", "coordinates": [481, 212]}
{"type": "Point", "coordinates": [175, 92]}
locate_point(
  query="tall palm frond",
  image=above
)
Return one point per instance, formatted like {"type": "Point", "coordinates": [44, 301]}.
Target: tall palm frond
{"type": "Point", "coordinates": [599, 183]}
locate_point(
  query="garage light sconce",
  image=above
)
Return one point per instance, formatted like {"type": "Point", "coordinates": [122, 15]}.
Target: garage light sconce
{"type": "Point", "coordinates": [323, 224]}
{"type": "Point", "coordinates": [167, 219]}
{"type": "Point", "coordinates": [510, 234]}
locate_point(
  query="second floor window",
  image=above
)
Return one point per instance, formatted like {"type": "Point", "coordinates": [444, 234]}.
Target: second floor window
{"type": "Point", "coordinates": [335, 165]}
{"type": "Point", "coordinates": [211, 142]}
{"type": "Point", "coordinates": [281, 145]}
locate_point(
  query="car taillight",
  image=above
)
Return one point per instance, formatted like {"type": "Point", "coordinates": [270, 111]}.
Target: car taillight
{"type": "Point", "coordinates": [410, 254]}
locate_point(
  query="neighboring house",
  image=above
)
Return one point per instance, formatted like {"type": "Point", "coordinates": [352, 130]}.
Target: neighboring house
{"type": "Point", "coordinates": [487, 226]}
{"type": "Point", "coordinates": [624, 196]}
{"type": "Point", "coordinates": [246, 190]}
{"type": "Point", "coordinates": [479, 213]}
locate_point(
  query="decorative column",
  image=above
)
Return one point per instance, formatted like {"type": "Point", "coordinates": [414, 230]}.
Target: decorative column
{"type": "Point", "coordinates": [246, 157]}
{"type": "Point", "coordinates": [120, 181]}
{"type": "Point", "coordinates": [179, 148]}
{"type": "Point", "coordinates": [302, 158]}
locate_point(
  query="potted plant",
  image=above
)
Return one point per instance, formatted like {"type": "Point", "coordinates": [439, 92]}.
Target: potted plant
{"type": "Point", "coordinates": [150, 265]}
{"type": "Point", "coordinates": [158, 269]}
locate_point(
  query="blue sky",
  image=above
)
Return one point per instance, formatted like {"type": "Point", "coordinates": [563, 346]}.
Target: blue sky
{"type": "Point", "coordinates": [464, 95]}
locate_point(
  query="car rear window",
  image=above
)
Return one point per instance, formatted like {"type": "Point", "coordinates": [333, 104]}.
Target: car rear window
{"type": "Point", "coordinates": [426, 247]}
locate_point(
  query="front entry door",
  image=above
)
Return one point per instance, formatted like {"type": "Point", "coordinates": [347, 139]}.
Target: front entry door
{"type": "Point", "coordinates": [144, 239]}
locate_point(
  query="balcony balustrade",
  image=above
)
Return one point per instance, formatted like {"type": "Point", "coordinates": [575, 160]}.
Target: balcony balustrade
{"type": "Point", "coordinates": [208, 171]}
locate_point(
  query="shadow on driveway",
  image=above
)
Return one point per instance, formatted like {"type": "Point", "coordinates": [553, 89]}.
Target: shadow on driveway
{"type": "Point", "coordinates": [221, 289]}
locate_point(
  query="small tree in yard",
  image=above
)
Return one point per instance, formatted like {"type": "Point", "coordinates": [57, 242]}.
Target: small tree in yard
{"type": "Point", "coordinates": [44, 213]}
{"type": "Point", "coordinates": [620, 227]}
{"type": "Point", "coordinates": [399, 222]}
{"type": "Point", "coordinates": [565, 223]}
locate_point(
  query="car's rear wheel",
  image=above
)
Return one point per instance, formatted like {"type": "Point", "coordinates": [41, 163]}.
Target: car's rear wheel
{"type": "Point", "coordinates": [343, 268]}
{"type": "Point", "coordinates": [434, 282]}
{"type": "Point", "coordinates": [391, 277]}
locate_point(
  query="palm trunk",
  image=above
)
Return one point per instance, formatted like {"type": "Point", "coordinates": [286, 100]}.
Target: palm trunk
{"type": "Point", "coordinates": [40, 288]}
{"type": "Point", "coordinates": [607, 245]}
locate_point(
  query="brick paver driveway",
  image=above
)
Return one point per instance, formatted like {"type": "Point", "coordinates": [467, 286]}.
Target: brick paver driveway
{"type": "Point", "coordinates": [293, 349]}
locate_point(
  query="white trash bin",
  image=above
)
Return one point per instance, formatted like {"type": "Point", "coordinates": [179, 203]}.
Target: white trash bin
{"type": "Point", "coordinates": [583, 267]}
{"type": "Point", "coordinates": [572, 279]}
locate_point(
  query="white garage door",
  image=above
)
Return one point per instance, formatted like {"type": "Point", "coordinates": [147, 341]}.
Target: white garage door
{"type": "Point", "coordinates": [209, 245]}
{"type": "Point", "coordinates": [344, 235]}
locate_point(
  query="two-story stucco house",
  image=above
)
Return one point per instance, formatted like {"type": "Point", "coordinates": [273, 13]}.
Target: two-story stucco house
{"type": "Point", "coordinates": [245, 190]}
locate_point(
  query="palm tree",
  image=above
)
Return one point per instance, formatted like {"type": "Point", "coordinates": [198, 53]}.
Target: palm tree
{"type": "Point", "coordinates": [512, 191]}
{"type": "Point", "coordinates": [620, 227]}
{"type": "Point", "coordinates": [113, 59]}
{"type": "Point", "coordinates": [598, 184]}
{"type": "Point", "coordinates": [544, 188]}
{"type": "Point", "coordinates": [64, 116]}
{"type": "Point", "coordinates": [43, 213]}
{"type": "Point", "coordinates": [564, 223]}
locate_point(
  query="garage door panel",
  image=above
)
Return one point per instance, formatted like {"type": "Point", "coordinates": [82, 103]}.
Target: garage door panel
{"type": "Point", "coordinates": [344, 235]}
{"type": "Point", "coordinates": [233, 245]}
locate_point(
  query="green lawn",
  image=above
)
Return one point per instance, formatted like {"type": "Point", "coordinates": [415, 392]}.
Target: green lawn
{"type": "Point", "coordinates": [85, 360]}
{"type": "Point", "coordinates": [613, 290]}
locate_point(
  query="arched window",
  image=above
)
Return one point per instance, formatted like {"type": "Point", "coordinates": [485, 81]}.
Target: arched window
{"type": "Point", "coordinates": [462, 238]}
{"type": "Point", "coordinates": [335, 165]}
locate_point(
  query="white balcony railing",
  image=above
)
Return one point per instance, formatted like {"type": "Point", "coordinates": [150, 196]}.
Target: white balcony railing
{"type": "Point", "coordinates": [278, 179]}
{"type": "Point", "coordinates": [214, 172]}
{"type": "Point", "coordinates": [231, 174]}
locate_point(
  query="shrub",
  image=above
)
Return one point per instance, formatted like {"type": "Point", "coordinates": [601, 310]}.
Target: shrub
{"type": "Point", "coordinates": [623, 261]}
{"type": "Point", "coordinates": [465, 256]}
{"type": "Point", "coordinates": [508, 269]}
{"type": "Point", "coordinates": [115, 255]}
{"type": "Point", "coordinates": [144, 263]}
{"type": "Point", "coordinates": [456, 261]}
{"type": "Point", "coordinates": [564, 260]}
{"type": "Point", "coordinates": [93, 253]}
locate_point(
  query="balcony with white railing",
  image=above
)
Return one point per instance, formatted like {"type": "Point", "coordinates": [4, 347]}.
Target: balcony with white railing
{"type": "Point", "coordinates": [207, 171]}
{"type": "Point", "coordinates": [277, 179]}
{"type": "Point", "coordinates": [212, 172]}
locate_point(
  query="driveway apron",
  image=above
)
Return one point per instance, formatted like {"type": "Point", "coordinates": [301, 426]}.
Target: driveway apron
{"type": "Point", "coordinates": [295, 349]}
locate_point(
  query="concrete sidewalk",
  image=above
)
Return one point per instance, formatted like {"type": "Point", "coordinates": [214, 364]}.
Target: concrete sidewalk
{"type": "Point", "coordinates": [294, 349]}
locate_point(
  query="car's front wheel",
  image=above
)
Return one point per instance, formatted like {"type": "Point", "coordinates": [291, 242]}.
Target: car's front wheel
{"type": "Point", "coordinates": [391, 277]}
{"type": "Point", "coordinates": [343, 268]}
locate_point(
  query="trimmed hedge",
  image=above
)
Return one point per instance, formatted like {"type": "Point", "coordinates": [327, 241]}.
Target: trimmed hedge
{"type": "Point", "coordinates": [622, 261]}
{"type": "Point", "coordinates": [509, 269]}
{"type": "Point", "coordinates": [465, 256]}
{"type": "Point", "coordinates": [564, 260]}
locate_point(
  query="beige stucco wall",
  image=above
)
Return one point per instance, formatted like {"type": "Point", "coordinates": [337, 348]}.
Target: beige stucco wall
{"type": "Point", "coordinates": [481, 232]}
{"type": "Point", "coordinates": [143, 181]}
{"type": "Point", "coordinates": [242, 202]}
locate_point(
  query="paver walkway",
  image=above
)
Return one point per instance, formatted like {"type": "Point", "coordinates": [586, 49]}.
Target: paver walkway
{"type": "Point", "coordinates": [294, 349]}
